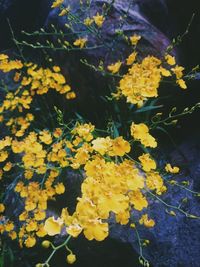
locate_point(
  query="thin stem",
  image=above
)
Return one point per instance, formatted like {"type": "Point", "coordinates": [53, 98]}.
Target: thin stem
{"type": "Point", "coordinates": [172, 206]}
{"type": "Point", "coordinates": [57, 248]}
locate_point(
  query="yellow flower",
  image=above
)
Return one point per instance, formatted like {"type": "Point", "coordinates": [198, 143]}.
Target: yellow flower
{"type": "Point", "coordinates": [170, 60]}
{"type": "Point", "coordinates": [74, 230]}
{"type": "Point", "coordinates": [116, 203]}
{"type": "Point", "coordinates": [3, 156]}
{"type": "Point", "coordinates": [131, 58]}
{"type": "Point", "coordinates": [60, 188]}
{"type": "Point", "coordinates": [123, 217]}
{"type": "Point", "coordinates": [84, 131]}
{"type": "Point", "coordinates": [3, 57]}
{"type": "Point", "coordinates": [99, 20]}
{"type": "Point", "coordinates": [95, 229]}
{"type": "Point", "coordinates": [57, 132]}
{"type": "Point", "coordinates": [31, 226]}
{"type": "Point", "coordinates": [178, 71]}
{"type": "Point", "coordinates": [53, 226]}
{"type": "Point", "coordinates": [165, 72]}
{"type": "Point", "coordinates": [64, 11]}
{"type": "Point", "coordinates": [45, 137]}
{"type": "Point", "coordinates": [119, 147]}
{"type": "Point", "coordinates": [155, 182]}
{"type": "Point", "coordinates": [171, 169]}
{"type": "Point", "coordinates": [2, 207]}
{"type": "Point", "coordinates": [41, 232]}
{"type": "Point", "coordinates": [30, 242]}
{"type": "Point", "coordinates": [7, 167]}
{"type": "Point", "coordinates": [13, 235]}
{"type": "Point", "coordinates": [137, 199]}
{"type": "Point", "coordinates": [114, 68]}
{"type": "Point", "coordinates": [57, 3]}
{"type": "Point", "coordinates": [71, 258]}
{"type": "Point", "coordinates": [141, 132]}
{"type": "Point", "coordinates": [148, 163]}
{"type": "Point", "coordinates": [88, 21]}
{"type": "Point", "coordinates": [134, 39]}
{"type": "Point", "coordinates": [39, 215]}
{"type": "Point", "coordinates": [9, 226]}
{"type": "Point", "coordinates": [181, 83]}
{"type": "Point", "coordinates": [23, 216]}
{"type": "Point", "coordinates": [102, 145]}
{"type": "Point", "coordinates": [71, 95]}
{"type": "Point", "coordinates": [81, 42]}
{"type": "Point", "coordinates": [147, 222]}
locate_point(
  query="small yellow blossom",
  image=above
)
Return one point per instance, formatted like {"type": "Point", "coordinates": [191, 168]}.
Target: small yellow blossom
{"type": "Point", "coordinates": [57, 3]}
{"type": "Point", "coordinates": [182, 83]}
{"type": "Point", "coordinates": [9, 226]}
{"type": "Point", "coordinates": [88, 21]}
{"type": "Point", "coordinates": [56, 68]}
{"type": "Point", "coordinates": [30, 242]}
{"type": "Point", "coordinates": [60, 188]}
{"type": "Point", "coordinates": [170, 59]}
{"type": "Point", "coordinates": [178, 71]}
{"type": "Point", "coordinates": [114, 68]}
{"type": "Point", "coordinates": [53, 226]}
{"type": "Point", "coordinates": [81, 42]}
{"type": "Point", "coordinates": [7, 167]}
{"type": "Point", "coordinates": [148, 163]}
{"type": "Point", "coordinates": [146, 221]}
{"type": "Point", "coordinates": [135, 39]}
{"type": "Point", "coordinates": [3, 57]}
{"type": "Point", "coordinates": [64, 11]}
{"type": "Point", "coordinates": [155, 182]}
{"type": "Point", "coordinates": [12, 235]}
{"type": "Point", "coordinates": [132, 57]}
{"type": "Point", "coordinates": [71, 95]}
{"type": "Point", "coordinates": [171, 169]}
{"type": "Point", "coordinates": [99, 20]}
{"type": "Point", "coordinates": [2, 207]}
{"type": "Point", "coordinates": [165, 72]}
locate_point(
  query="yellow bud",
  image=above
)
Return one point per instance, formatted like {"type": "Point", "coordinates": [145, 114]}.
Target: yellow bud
{"type": "Point", "coordinates": [71, 258]}
{"type": "Point", "coordinates": [46, 244]}
{"type": "Point", "coordinates": [39, 265]}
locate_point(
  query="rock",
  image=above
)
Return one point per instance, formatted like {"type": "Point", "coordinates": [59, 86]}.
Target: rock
{"type": "Point", "coordinates": [110, 46]}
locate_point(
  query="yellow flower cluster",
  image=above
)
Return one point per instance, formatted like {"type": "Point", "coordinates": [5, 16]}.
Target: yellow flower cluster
{"type": "Point", "coordinates": [108, 186]}
{"type": "Point", "coordinates": [7, 65]}
{"type": "Point", "coordinates": [113, 183]}
{"type": "Point", "coordinates": [142, 81]}
{"type": "Point", "coordinates": [40, 80]}
{"type": "Point", "coordinates": [143, 78]}
{"type": "Point", "coordinates": [20, 124]}
{"type": "Point", "coordinates": [35, 81]}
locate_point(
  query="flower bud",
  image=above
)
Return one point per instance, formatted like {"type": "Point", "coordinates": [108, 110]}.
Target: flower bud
{"type": "Point", "coordinates": [71, 258]}
{"type": "Point", "coordinates": [46, 244]}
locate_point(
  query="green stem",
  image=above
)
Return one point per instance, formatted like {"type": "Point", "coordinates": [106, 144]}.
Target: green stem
{"type": "Point", "coordinates": [57, 248]}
